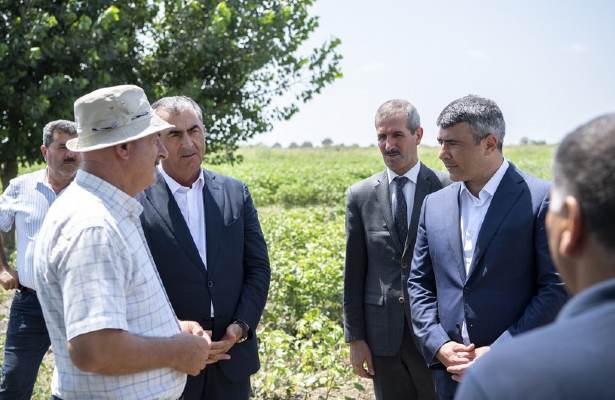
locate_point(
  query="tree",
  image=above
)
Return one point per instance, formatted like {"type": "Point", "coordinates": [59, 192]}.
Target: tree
{"type": "Point", "coordinates": [276, 145]}
{"type": "Point", "coordinates": [307, 145]}
{"type": "Point", "coordinates": [234, 57]}
{"type": "Point", "coordinates": [293, 145]}
{"type": "Point", "coordinates": [327, 142]}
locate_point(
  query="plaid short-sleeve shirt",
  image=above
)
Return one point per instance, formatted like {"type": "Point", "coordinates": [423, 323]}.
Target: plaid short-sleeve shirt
{"type": "Point", "coordinates": [93, 271]}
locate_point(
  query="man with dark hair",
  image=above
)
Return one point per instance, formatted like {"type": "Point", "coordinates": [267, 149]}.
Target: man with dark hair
{"type": "Point", "coordinates": [572, 358]}
{"type": "Point", "coordinates": [481, 271]}
{"type": "Point", "coordinates": [24, 204]}
{"type": "Point", "coordinates": [206, 240]}
{"type": "Point", "coordinates": [381, 219]}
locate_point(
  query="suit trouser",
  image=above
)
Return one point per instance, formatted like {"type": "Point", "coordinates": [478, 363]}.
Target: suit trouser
{"type": "Point", "coordinates": [404, 376]}
{"type": "Point", "coordinates": [445, 385]}
{"type": "Point", "coordinates": [212, 384]}
{"type": "Point", "coordinates": [27, 341]}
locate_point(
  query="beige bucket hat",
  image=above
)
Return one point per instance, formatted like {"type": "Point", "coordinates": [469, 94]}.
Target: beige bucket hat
{"type": "Point", "coordinates": [113, 115]}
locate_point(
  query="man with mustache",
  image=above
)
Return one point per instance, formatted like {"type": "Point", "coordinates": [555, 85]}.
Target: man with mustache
{"type": "Point", "coordinates": [481, 270]}
{"type": "Point", "coordinates": [381, 218]}
{"type": "Point", "coordinates": [24, 204]}
{"type": "Point", "coordinates": [572, 358]}
{"type": "Point", "coordinates": [205, 237]}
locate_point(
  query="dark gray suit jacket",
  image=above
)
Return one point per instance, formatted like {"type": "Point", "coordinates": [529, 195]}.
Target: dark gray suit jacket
{"type": "Point", "coordinates": [377, 262]}
{"type": "Point", "coordinates": [237, 274]}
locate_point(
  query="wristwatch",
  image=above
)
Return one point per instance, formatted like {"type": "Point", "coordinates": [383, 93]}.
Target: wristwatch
{"type": "Point", "coordinates": [245, 330]}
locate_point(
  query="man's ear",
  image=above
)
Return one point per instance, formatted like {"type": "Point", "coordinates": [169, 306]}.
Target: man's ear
{"type": "Point", "coordinates": [490, 143]}
{"type": "Point", "coordinates": [44, 152]}
{"type": "Point", "coordinates": [123, 150]}
{"type": "Point", "coordinates": [419, 135]}
{"type": "Point", "coordinates": [573, 235]}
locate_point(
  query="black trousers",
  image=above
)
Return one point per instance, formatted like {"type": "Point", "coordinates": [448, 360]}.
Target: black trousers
{"type": "Point", "coordinates": [212, 384]}
{"type": "Point", "coordinates": [405, 375]}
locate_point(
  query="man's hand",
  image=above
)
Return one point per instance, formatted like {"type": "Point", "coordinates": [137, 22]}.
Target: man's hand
{"type": "Point", "coordinates": [192, 353]}
{"type": "Point", "coordinates": [361, 359]}
{"type": "Point", "coordinates": [453, 353]}
{"type": "Point", "coordinates": [458, 370]}
{"type": "Point", "coordinates": [220, 348]}
{"type": "Point", "coordinates": [8, 278]}
{"type": "Point", "coordinates": [192, 327]}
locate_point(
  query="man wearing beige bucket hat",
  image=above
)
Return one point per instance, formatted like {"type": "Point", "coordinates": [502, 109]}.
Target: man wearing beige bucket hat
{"type": "Point", "coordinates": [112, 329]}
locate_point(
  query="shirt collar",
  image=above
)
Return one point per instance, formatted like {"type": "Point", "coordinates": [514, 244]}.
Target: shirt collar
{"type": "Point", "coordinates": [492, 184]}
{"type": "Point", "coordinates": [412, 173]}
{"type": "Point", "coordinates": [117, 199]}
{"type": "Point", "coordinates": [175, 186]}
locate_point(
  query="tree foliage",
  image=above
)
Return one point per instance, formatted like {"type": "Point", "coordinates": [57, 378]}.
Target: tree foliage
{"type": "Point", "coordinates": [242, 60]}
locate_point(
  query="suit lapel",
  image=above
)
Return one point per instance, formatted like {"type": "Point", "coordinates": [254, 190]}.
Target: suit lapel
{"type": "Point", "coordinates": [453, 229]}
{"type": "Point", "coordinates": [213, 199]}
{"type": "Point", "coordinates": [423, 187]}
{"type": "Point", "coordinates": [504, 199]}
{"type": "Point", "coordinates": [384, 203]}
{"type": "Point", "coordinates": [164, 203]}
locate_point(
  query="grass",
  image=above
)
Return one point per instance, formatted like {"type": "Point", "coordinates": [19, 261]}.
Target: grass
{"type": "Point", "coordinates": [300, 194]}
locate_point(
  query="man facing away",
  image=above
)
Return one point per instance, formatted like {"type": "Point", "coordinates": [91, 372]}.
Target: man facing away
{"type": "Point", "coordinates": [381, 218]}
{"type": "Point", "coordinates": [112, 329]}
{"type": "Point", "coordinates": [572, 358]}
{"type": "Point", "coordinates": [207, 243]}
{"type": "Point", "coordinates": [481, 271]}
{"type": "Point", "coordinates": [24, 204]}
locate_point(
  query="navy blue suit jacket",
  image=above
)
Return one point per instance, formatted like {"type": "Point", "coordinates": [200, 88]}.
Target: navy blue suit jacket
{"type": "Point", "coordinates": [570, 359]}
{"type": "Point", "coordinates": [511, 287]}
{"type": "Point", "coordinates": [237, 274]}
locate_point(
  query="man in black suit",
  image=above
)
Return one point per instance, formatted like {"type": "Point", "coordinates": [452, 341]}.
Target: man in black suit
{"type": "Point", "coordinates": [572, 358]}
{"type": "Point", "coordinates": [206, 240]}
{"type": "Point", "coordinates": [381, 220]}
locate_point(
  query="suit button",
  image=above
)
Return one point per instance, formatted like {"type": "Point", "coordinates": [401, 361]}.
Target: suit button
{"type": "Point", "coordinates": [401, 300]}
{"type": "Point", "coordinates": [210, 284]}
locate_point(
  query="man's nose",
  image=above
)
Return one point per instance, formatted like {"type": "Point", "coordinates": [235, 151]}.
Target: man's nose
{"type": "Point", "coordinates": [443, 154]}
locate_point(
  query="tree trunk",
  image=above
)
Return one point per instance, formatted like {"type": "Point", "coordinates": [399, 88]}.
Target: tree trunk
{"type": "Point", "coordinates": [8, 171]}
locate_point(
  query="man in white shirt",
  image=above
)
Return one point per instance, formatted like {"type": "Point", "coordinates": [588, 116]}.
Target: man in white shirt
{"type": "Point", "coordinates": [24, 205]}
{"type": "Point", "coordinates": [205, 237]}
{"type": "Point", "coordinates": [112, 328]}
{"type": "Point", "coordinates": [381, 219]}
{"type": "Point", "coordinates": [481, 270]}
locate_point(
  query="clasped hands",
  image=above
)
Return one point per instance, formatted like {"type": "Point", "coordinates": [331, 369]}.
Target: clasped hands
{"type": "Point", "coordinates": [457, 357]}
{"type": "Point", "coordinates": [218, 350]}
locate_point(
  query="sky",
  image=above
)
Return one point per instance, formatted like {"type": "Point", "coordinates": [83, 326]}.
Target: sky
{"type": "Point", "coordinates": [550, 65]}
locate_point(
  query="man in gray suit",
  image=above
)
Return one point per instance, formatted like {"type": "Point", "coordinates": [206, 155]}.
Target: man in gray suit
{"type": "Point", "coordinates": [381, 222]}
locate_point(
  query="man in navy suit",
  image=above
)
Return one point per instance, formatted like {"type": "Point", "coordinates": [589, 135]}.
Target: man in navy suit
{"type": "Point", "coordinates": [573, 358]}
{"type": "Point", "coordinates": [481, 271]}
{"type": "Point", "coordinates": [206, 240]}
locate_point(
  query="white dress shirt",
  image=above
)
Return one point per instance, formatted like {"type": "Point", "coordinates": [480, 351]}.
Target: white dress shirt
{"type": "Point", "coordinates": [409, 188]}
{"type": "Point", "coordinates": [472, 215]}
{"type": "Point", "coordinates": [25, 203]}
{"type": "Point", "coordinates": [190, 203]}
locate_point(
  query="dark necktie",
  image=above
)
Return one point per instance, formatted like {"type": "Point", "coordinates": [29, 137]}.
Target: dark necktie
{"type": "Point", "coordinates": [401, 209]}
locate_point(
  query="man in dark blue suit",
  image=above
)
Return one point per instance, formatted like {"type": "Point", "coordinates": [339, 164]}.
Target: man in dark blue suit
{"type": "Point", "coordinates": [481, 271]}
{"type": "Point", "coordinates": [572, 358]}
{"type": "Point", "coordinates": [205, 238]}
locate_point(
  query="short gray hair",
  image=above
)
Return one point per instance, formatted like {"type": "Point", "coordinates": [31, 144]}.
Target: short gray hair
{"type": "Point", "coordinates": [60, 125]}
{"type": "Point", "coordinates": [395, 108]}
{"type": "Point", "coordinates": [177, 104]}
{"type": "Point", "coordinates": [584, 168]}
{"type": "Point", "coordinates": [483, 115]}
